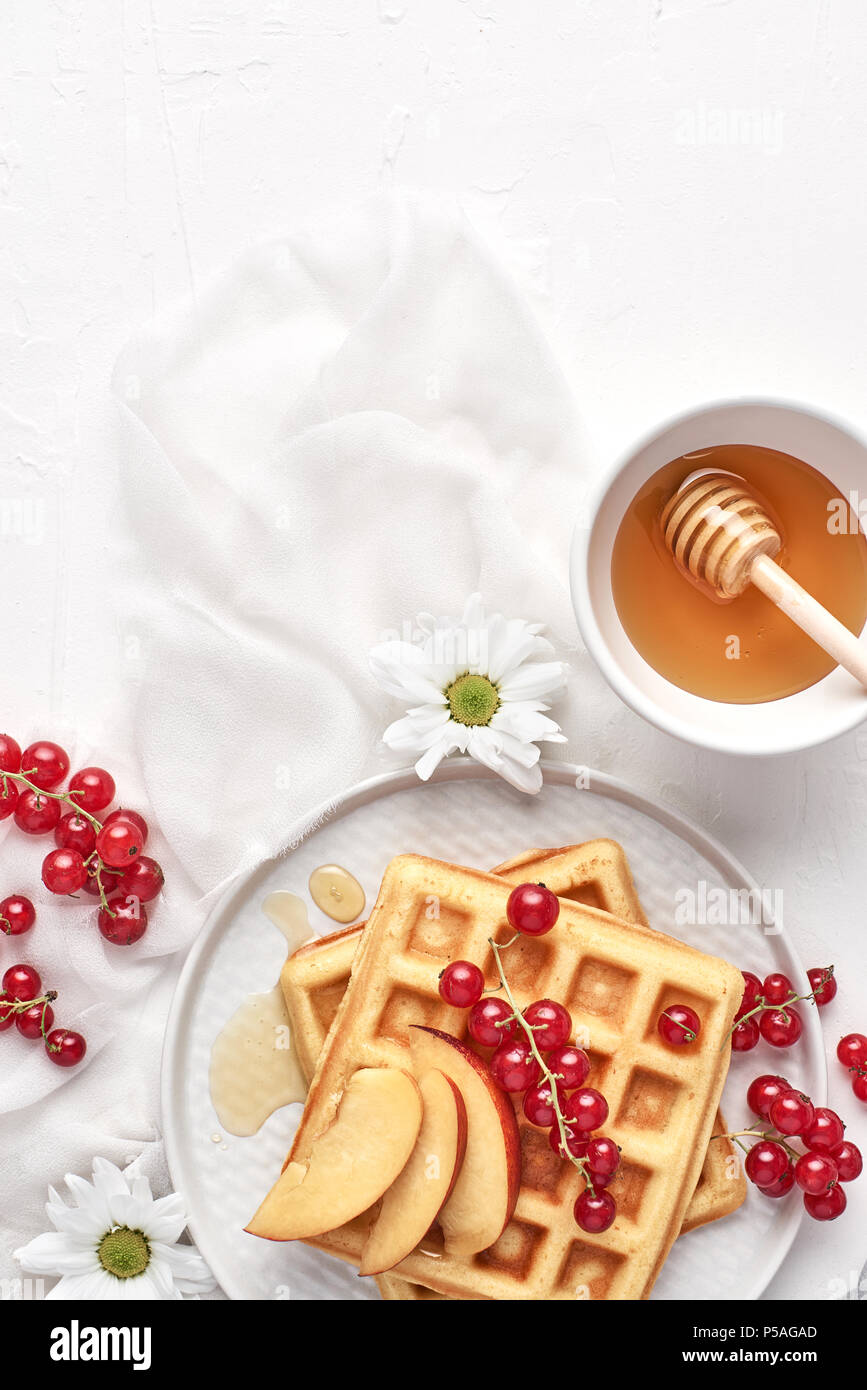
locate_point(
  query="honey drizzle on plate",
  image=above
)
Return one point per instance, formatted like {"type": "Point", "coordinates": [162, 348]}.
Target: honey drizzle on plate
{"type": "Point", "coordinates": [254, 1067]}
{"type": "Point", "coordinates": [337, 893]}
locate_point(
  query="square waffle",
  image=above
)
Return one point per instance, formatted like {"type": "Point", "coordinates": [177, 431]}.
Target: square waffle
{"type": "Point", "coordinates": [595, 873]}
{"type": "Point", "coordinates": [615, 980]}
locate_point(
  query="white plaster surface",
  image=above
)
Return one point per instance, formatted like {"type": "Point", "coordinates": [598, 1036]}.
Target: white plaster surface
{"type": "Point", "coordinates": [677, 185]}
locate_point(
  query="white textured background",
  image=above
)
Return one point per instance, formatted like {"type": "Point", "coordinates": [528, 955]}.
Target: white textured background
{"type": "Point", "coordinates": [678, 186]}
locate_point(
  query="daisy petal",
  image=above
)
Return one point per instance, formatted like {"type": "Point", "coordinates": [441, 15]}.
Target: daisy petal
{"type": "Point", "coordinates": [132, 1208]}
{"type": "Point", "coordinates": [452, 738]}
{"type": "Point", "coordinates": [537, 680]}
{"type": "Point", "coordinates": [403, 670]}
{"type": "Point", "coordinates": [166, 1220]}
{"type": "Point", "coordinates": [85, 1287]}
{"type": "Point", "coordinates": [75, 1222]}
{"type": "Point", "coordinates": [524, 721]}
{"type": "Point", "coordinates": [507, 757]}
{"type": "Point", "coordinates": [187, 1267]}
{"type": "Point", "coordinates": [54, 1253]}
{"type": "Point", "coordinates": [417, 730]}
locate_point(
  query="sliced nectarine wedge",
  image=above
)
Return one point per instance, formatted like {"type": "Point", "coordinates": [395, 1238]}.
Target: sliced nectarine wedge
{"type": "Point", "coordinates": [351, 1163]}
{"type": "Point", "coordinates": [486, 1189]}
{"type": "Point", "coordinates": [410, 1206]}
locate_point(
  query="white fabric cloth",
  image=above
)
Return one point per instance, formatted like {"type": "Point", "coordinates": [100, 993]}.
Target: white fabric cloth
{"type": "Point", "coordinates": [353, 424]}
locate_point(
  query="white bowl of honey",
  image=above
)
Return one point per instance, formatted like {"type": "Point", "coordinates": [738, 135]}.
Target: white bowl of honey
{"type": "Point", "coordinates": [735, 676]}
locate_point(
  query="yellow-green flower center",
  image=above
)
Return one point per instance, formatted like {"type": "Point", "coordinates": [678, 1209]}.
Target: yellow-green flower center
{"type": "Point", "coordinates": [473, 699]}
{"type": "Point", "coordinates": [124, 1253]}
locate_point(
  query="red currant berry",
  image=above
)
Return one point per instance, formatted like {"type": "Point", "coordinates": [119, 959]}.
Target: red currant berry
{"type": "Point", "coordinates": [36, 814]}
{"type": "Point", "coordinates": [65, 1048]}
{"type": "Point", "coordinates": [780, 1027]}
{"type": "Point", "coordinates": [35, 1022]}
{"type": "Point", "coordinates": [17, 915]}
{"type": "Point", "coordinates": [859, 1085]}
{"type": "Point", "coordinates": [539, 1106]}
{"type": "Point", "coordinates": [8, 798]}
{"type": "Point", "coordinates": [826, 1131]}
{"type": "Point", "coordinates": [135, 819]}
{"type": "Point", "coordinates": [852, 1050]}
{"type": "Point", "coordinates": [679, 1025]}
{"type": "Point", "coordinates": [143, 880]}
{"type": "Point", "coordinates": [63, 871]}
{"type": "Point", "coordinates": [782, 1186]}
{"type": "Point", "coordinates": [490, 1021]}
{"type": "Point", "coordinates": [764, 1091]}
{"type": "Point", "coordinates": [74, 832]}
{"type": "Point", "coordinates": [513, 1066]}
{"type": "Point", "coordinates": [603, 1160]}
{"type": "Point", "coordinates": [586, 1110]}
{"type": "Point", "coordinates": [571, 1064]}
{"type": "Point", "coordinates": [752, 993]}
{"type": "Point", "coordinates": [766, 1163]}
{"type": "Point", "coordinates": [745, 1035]}
{"type": "Point", "coordinates": [815, 1172]}
{"type": "Point", "coordinates": [461, 983]}
{"type": "Point", "coordinates": [792, 1113]}
{"type": "Point", "coordinates": [10, 754]}
{"type": "Point", "coordinates": [777, 988]}
{"type": "Point", "coordinates": [848, 1160]}
{"type": "Point", "coordinates": [551, 1023]}
{"type": "Point", "coordinates": [7, 1017]}
{"type": "Point", "coordinates": [44, 764]}
{"type": "Point", "coordinates": [532, 909]}
{"type": "Point", "coordinates": [826, 1206]}
{"type": "Point", "coordinates": [92, 789]}
{"type": "Point", "coordinates": [118, 843]}
{"type": "Point", "coordinates": [823, 983]}
{"type": "Point", "coordinates": [595, 1214]}
{"type": "Point", "coordinates": [576, 1145]}
{"type": "Point", "coordinates": [123, 923]}
{"type": "Point", "coordinates": [22, 982]}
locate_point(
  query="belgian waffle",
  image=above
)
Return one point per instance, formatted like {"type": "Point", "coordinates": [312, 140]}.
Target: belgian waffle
{"type": "Point", "coordinates": [615, 980]}
{"type": "Point", "coordinates": [595, 873]}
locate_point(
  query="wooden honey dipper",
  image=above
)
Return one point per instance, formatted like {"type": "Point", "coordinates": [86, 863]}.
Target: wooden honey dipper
{"type": "Point", "coordinates": [721, 535]}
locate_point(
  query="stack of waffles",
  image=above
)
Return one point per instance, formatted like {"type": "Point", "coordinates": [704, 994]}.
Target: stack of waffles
{"type": "Point", "coordinates": [354, 996]}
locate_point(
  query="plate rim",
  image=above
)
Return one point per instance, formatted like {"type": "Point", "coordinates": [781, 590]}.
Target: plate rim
{"type": "Point", "coordinates": [555, 772]}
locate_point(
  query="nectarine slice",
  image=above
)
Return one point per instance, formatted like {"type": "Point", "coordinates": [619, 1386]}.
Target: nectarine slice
{"type": "Point", "coordinates": [410, 1206]}
{"type": "Point", "coordinates": [351, 1163]}
{"type": "Point", "coordinates": [486, 1189]}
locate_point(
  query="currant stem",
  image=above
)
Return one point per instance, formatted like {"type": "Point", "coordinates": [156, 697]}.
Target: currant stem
{"type": "Point", "coordinates": [20, 1006]}
{"type": "Point", "coordinates": [55, 796]}
{"type": "Point", "coordinates": [550, 1076]}
{"type": "Point", "coordinates": [794, 998]}
{"type": "Point", "coordinates": [690, 1035]}
{"type": "Point", "coordinates": [771, 1135]}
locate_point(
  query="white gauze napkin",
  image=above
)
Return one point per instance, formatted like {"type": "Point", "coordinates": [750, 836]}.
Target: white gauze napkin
{"type": "Point", "coordinates": [354, 424]}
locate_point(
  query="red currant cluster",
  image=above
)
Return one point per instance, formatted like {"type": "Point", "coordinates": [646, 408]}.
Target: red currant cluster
{"type": "Point", "coordinates": [766, 1009]}
{"type": "Point", "coordinates": [534, 1057]}
{"type": "Point", "coordinates": [775, 1166]}
{"type": "Point", "coordinates": [23, 1002]}
{"type": "Point", "coordinates": [100, 857]}
{"type": "Point", "coordinates": [852, 1052]}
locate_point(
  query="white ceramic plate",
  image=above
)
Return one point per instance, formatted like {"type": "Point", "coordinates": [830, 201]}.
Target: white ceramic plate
{"type": "Point", "coordinates": [467, 816]}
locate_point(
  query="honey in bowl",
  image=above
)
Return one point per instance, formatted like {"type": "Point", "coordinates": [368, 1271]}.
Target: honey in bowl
{"type": "Point", "coordinates": [743, 651]}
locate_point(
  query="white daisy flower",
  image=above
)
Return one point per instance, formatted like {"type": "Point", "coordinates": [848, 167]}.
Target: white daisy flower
{"type": "Point", "coordinates": [478, 685]}
{"type": "Point", "coordinates": [116, 1242]}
